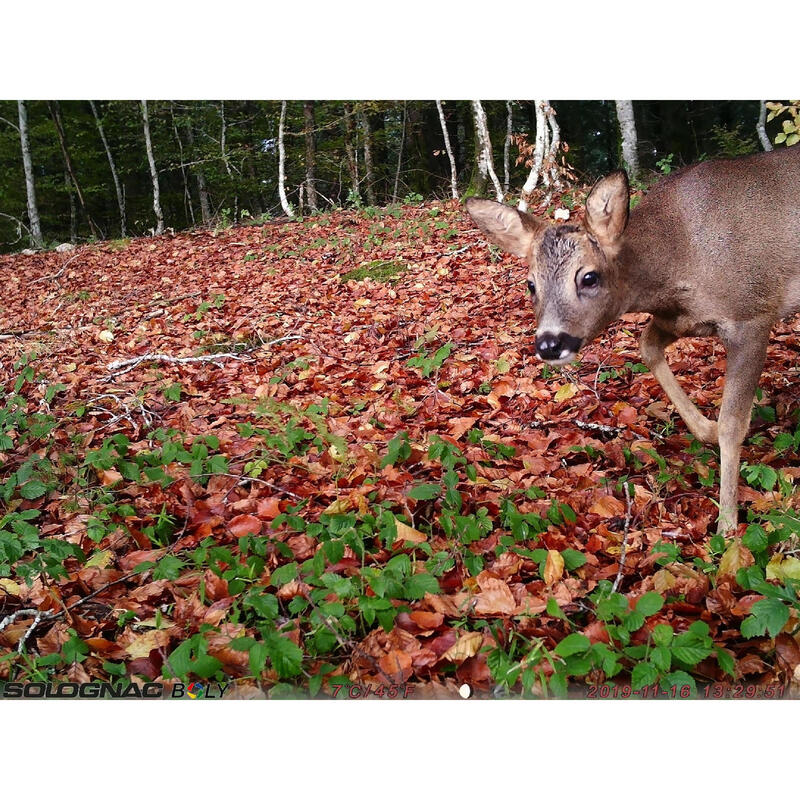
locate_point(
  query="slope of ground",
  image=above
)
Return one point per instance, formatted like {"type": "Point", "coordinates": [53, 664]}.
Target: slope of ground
{"type": "Point", "coordinates": [302, 455]}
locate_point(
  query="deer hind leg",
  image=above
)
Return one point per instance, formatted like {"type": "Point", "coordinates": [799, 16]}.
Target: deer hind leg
{"type": "Point", "coordinates": [651, 346]}
{"type": "Point", "coordinates": [746, 350]}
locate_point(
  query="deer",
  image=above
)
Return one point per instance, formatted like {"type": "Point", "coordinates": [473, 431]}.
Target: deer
{"type": "Point", "coordinates": [711, 250]}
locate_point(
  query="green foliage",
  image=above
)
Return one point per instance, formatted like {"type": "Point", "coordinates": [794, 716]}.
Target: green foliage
{"type": "Point", "coordinates": [790, 125]}
{"type": "Point", "coordinates": [380, 270]}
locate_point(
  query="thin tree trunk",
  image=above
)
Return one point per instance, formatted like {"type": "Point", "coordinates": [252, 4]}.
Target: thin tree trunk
{"type": "Point", "coordinates": [400, 155]}
{"type": "Point", "coordinates": [117, 186]}
{"type": "Point", "coordinates": [30, 188]}
{"type": "Point", "coordinates": [285, 205]}
{"type": "Point", "coordinates": [311, 191]}
{"type": "Point", "coordinates": [199, 176]}
{"type": "Point", "coordinates": [761, 127]}
{"type": "Point", "coordinates": [73, 217]}
{"type": "Point", "coordinates": [627, 127]}
{"type": "Point", "coordinates": [449, 149]}
{"type": "Point", "coordinates": [352, 152]}
{"type": "Point", "coordinates": [369, 172]}
{"type": "Point", "coordinates": [159, 229]}
{"type": "Point", "coordinates": [485, 159]}
{"type": "Point", "coordinates": [538, 155]}
{"type": "Point", "coordinates": [507, 146]}
{"type": "Point", "coordinates": [226, 161]}
{"type": "Point", "coordinates": [55, 113]}
{"type": "Point", "coordinates": [187, 194]}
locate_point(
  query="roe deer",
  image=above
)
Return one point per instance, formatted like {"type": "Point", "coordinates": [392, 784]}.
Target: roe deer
{"type": "Point", "coordinates": [712, 250]}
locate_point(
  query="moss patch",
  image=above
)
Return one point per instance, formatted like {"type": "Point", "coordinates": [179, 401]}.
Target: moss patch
{"type": "Point", "coordinates": [380, 270]}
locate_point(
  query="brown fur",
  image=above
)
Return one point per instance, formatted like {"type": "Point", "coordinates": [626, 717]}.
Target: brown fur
{"type": "Point", "coordinates": [712, 249]}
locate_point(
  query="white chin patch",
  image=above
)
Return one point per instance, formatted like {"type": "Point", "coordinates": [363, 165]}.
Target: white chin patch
{"type": "Point", "coordinates": [565, 358]}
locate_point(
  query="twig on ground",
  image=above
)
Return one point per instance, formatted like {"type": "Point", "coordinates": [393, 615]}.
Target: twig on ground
{"type": "Point", "coordinates": [164, 358]}
{"type": "Point", "coordinates": [57, 274]}
{"type": "Point", "coordinates": [623, 553]}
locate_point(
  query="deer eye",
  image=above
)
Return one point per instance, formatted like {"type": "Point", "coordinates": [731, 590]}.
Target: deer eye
{"type": "Point", "coordinates": [532, 288]}
{"type": "Point", "coordinates": [590, 279]}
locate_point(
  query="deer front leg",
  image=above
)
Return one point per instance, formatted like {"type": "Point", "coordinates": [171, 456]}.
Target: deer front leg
{"type": "Point", "coordinates": [746, 348]}
{"type": "Point", "coordinates": [651, 346]}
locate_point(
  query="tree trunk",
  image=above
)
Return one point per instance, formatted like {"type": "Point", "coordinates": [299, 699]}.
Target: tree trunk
{"type": "Point", "coordinates": [761, 128]}
{"type": "Point", "coordinates": [30, 188]}
{"type": "Point", "coordinates": [73, 217]}
{"type": "Point", "coordinates": [187, 194]}
{"type": "Point", "coordinates": [311, 191]}
{"type": "Point", "coordinates": [114, 175]}
{"type": "Point", "coordinates": [538, 154]}
{"type": "Point", "coordinates": [200, 178]}
{"type": "Point", "coordinates": [507, 146]}
{"type": "Point", "coordinates": [485, 159]}
{"type": "Point", "coordinates": [352, 153]}
{"type": "Point", "coordinates": [159, 229]}
{"type": "Point", "coordinates": [285, 205]}
{"type": "Point", "coordinates": [369, 172]}
{"type": "Point", "coordinates": [627, 127]}
{"type": "Point", "coordinates": [399, 156]}
{"type": "Point", "coordinates": [226, 161]}
{"type": "Point", "coordinates": [449, 149]}
{"type": "Point", "coordinates": [55, 113]}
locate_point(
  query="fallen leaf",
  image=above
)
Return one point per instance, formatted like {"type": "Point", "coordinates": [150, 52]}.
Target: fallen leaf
{"type": "Point", "coordinates": [553, 567]}
{"type": "Point", "coordinates": [465, 647]}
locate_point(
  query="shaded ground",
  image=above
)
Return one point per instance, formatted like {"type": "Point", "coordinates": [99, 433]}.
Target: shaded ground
{"type": "Point", "coordinates": [374, 479]}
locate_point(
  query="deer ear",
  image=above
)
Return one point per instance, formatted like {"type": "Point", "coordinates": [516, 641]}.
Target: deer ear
{"type": "Point", "coordinates": [505, 226]}
{"type": "Point", "coordinates": [607, 208]}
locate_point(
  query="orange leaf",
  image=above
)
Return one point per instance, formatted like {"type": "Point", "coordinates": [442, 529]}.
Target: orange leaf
{"type": "Point", "coordinates": [406, 533]}
{"type": "Point", "coordinates": [607, 506]}
{"type": "Point", "coordinates": [245, 525]}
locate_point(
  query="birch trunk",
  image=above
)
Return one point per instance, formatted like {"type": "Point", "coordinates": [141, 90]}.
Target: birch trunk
{"type": "Point", "coordinates": [369, 172]}
{"type": "Point", "coordinates": [485, 159]}
{"type": "Point", "coordinates": [352, 152]}
{"type": "Point", "coordinates": [30, 188]}
{"type": "Point", "coordinates": [285, 205]}
{"type": "Point", "coordinates": [114, 175]}
{"type": "Point", "coordinates": [449, 149]}
{"type": "Point", "coordinates": [542, 137]}
{"type": "Point", "coordinates": [55, 113]}
{"type": "Point", "coordinates": [400, 156]}
{"type": "Point", "coordinates": [627, 127]}
{"type": "Point", "coordinates": [199, 176]}
{"type": "Point", "coordinates": [159, 229]}
{"type": "Point", "coordinates": [761, 127]}
{"type": "Point", "coordinates": [311, 156]}
{"type": "Point", "coordinates": [507, 146]}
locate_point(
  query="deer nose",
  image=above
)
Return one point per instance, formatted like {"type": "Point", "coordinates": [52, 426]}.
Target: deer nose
{"type": "Point", "coordinates": [550, 345]}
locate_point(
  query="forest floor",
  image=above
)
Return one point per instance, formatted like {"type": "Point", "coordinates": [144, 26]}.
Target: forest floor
{"type": "Point", "coordinates": [367, 478]}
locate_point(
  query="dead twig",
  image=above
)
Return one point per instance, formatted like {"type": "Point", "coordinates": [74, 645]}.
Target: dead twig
{"type": "Point", "coordinates": [164, 358]}
{"type": "Point", "coordinates": [57, 274]}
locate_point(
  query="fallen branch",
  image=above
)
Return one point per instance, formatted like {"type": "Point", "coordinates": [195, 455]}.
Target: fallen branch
{"type": "Point", "coordinates": [163, 358]}
{"type": "Point", "coordinates": [57, 274]}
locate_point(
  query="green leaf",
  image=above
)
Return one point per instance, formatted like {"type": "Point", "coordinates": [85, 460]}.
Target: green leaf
{"type": "Point", "coordinates": [725, 661]}
{"type": "Point", "coordinates": [285, 655]}
{"type": "Point", "coordinates": [554, 610]}
{"type": "Point", "coordinates": [573, 558]}
{"type": "Point", "coordinates": [419, 584]}
{"type": "Point", "coordinates": [643, 675]}
{"type": "Point", "coordinates": [284, 574]}
{"type": "Point", "coordinates": [574, 643]}
{"type": "Point", "coordinates": [769, 614]}
{"type": "Point", "coordinates": [662, 635]}
{"type": "Point", "coordinates": [32, 489]}
{"type": "Point", "coordinates": [755, 539]}
{"type": "Point", "coordinates": [690, 654]}
{"type": "Point", "coordinates": [425, 491]}
{"type": "Point", "coordinates": [661, 658]}
{"type": "Point", "coordinates": [650, 603]}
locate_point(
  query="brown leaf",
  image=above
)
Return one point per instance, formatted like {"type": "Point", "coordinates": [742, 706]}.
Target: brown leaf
{"type": "Point", "coordinates": [245, 525]}
{"type": "Point", "coordinates": [405, 533]}
{"type": "Point", "coordinates": [465, 647]}
{"type": "Point", "coordinates": [553, 567]}
{"type": "Point", "coordinates": [607, 506]}
{"type": "Point", "coordinates": [734, 558]}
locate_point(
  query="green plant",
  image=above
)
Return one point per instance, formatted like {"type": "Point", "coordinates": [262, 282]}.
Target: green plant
{"type": "Point", "coordinates": [665, 164]}
{"type": "Point", "coordinates": [790, 133]}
